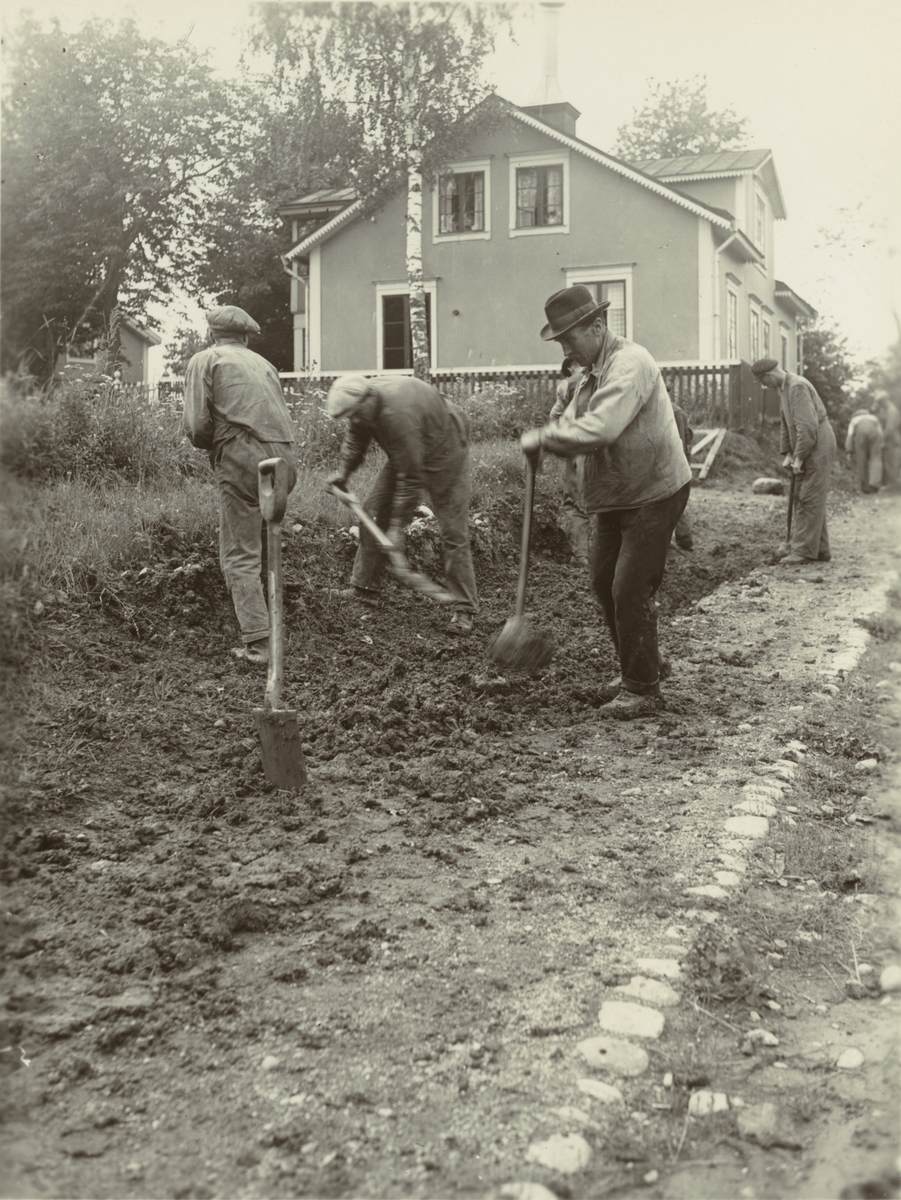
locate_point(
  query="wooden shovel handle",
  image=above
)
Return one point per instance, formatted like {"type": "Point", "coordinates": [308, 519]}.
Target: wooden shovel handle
{"type": "Point", "coordinates": [272, 488]}
{"type": "Point", "coordinates": [529, 504]}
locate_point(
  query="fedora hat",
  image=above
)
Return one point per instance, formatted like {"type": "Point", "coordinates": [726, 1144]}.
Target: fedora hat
{"type": "Point", "coordinates": [567, 308]}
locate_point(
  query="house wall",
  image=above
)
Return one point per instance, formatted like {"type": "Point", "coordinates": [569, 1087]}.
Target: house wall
{"type": "Point", "coordinates": [491, 292]}
{"type": "Point", "coordinates": [133, 357]}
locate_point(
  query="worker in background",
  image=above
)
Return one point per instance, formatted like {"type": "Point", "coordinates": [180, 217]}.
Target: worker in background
{"type": "Point", "coordinates": [426, 440]}
{"type": "Point", "coordinates": [890, 420]}
{"type": "Point", "coordinates": [808, 445]}
{"type": "Point", "coordinates": [235, 410]}
{"type": "Point", "coordinates": [863, 446]}
{"type": "Point", "coordinates": [575, 519]}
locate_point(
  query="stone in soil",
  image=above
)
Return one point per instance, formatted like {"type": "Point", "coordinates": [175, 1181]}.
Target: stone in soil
{"type": "Point", "coordinates": [650, 991]}
{"type": "Point", "coordinates": [667, 967]}
{"type": "Point", "coordinates": [598, 1090]}
{"type": "Point", "coordinates": [753, 827]}
{"type": "Point", "coordinates": [850, 1059]}
{"type": "Point", "coordinates": [564, 1152]}
{"type": "Point", "coordinates": [527, 1189]}
{"type": "Point", "coordinates": [614, 1055]}
{"type": "Point", "coordinates": [704, 1103]}
{"type": "Point", "coordinates": [630, 1020]}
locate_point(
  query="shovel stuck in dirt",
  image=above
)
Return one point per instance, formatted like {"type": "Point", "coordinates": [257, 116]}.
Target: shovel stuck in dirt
{"type": "Point", "coordinates": [396, 557]}
{"type": "Point", "coordinates": [519, 645]}
{"type": "Point", "coordinates": [278, 728]}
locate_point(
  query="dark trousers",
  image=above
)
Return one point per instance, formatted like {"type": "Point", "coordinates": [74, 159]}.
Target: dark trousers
{"type": "Point", "coordinates": [449, 493]}
{"type": "Point", "coordinates": [627, 566]}
{"type": "Point", "coordinates": [241, 526]}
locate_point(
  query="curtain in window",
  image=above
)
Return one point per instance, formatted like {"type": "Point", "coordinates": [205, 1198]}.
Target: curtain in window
{"type": "Point", "coordinates": [553, 206]}
{"type": "Point", "coordinates": [526, 197]}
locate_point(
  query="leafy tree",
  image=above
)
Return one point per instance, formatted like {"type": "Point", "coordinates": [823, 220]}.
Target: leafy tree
{"type": "Point", "coordinates": [829, 367]}
{"type": "Point", "coordinates": [184, 344]}
{"type": "Point", "coordinates": [112, 143]}
{"type": "Point", "coordinates": [676, 120]}
{"type": "Point", "coordinates": [397, 79]}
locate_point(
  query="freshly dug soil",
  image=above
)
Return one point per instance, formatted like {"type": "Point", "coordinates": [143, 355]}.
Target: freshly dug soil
{"type": "Point", "coordinates": [376, 987]}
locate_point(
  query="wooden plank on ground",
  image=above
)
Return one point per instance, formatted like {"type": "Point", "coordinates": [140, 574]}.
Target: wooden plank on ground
{"type": "Point", "coordinates": [710, 440]}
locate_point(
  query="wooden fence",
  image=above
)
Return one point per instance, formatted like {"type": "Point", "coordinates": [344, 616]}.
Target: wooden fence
{"type": "Point", "coordinates": [722, 395]}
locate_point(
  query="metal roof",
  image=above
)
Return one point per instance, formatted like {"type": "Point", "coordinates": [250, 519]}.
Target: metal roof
{"type": "Point", "coordinates": [727, 164]}
{"type": "Point", "coordinates": [724, 162]}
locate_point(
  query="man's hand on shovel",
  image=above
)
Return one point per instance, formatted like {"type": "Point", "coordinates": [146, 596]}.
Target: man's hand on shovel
{"type": "Point", "coordinates": [531, 446]}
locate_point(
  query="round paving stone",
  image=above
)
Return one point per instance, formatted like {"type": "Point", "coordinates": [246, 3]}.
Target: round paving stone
{"type": "Point", "coordinates": [630, 1020]}
{"type": "Point", "coordinates": [614, 1055]}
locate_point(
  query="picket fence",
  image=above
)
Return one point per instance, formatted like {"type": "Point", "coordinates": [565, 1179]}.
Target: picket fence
{"type": "Point", "coordinates": [714, 395]}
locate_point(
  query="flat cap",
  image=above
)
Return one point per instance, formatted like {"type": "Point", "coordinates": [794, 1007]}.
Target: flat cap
{"type": "Point", "coordinates": [763, 366]}
{"type": "Point", "coordinates": [346, 395]}
{"type": "Point", "coordinates": [231, 319]}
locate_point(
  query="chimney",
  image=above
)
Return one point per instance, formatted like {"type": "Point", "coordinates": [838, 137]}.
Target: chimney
{"type": "Point", "coordinates": [548, 104]}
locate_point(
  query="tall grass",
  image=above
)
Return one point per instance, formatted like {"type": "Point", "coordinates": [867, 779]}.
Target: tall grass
{"type": "Point", "coordinates": [97, 480]}
{"type": "Point", "coordinates": [86, 427]}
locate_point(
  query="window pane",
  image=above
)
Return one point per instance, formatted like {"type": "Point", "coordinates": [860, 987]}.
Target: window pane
{"type": "Point", "coordinates": [615, 292]}
{"type": "Point", "coordinates": [553, 196]}
{"type": "Point", "coordinates": [461, 202]}
{"type": "Point", "coordinates": [526, 197]}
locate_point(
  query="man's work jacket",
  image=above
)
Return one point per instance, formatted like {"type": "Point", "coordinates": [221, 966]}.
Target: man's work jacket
{"type": "Point", "coordinates": [229, 388]}
{"type": "Point", "coordinates": [803, 416]}
{"type": "Point", "coordinates": [423, 435]}
{"type": "Point", "coordinates": [621, 420]}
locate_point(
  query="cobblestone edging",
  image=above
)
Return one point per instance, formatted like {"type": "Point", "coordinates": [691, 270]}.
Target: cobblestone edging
{"type": "Point", "coordinates": [634, 1014]}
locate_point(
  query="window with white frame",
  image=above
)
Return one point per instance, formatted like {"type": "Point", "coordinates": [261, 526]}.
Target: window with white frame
{"type": "Point", "coordinates": [755, 332]}
{"type": "Point", "coordinates": [613, 283]}
{"type": "Point", "coordinates": [731, 323]}
{"type": "Point", "coordinates": [783, 350]}
{"type": "Point", "coordinates": [539, 193]}
{"type": "Point", "coordinates": [767, 336]}
{"type": "Point", "coordinates": [394, 342]}
{"type": "Point", "coordinates": [461, 202]}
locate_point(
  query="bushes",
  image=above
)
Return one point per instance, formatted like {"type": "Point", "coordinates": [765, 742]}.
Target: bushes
{"type": "Point", "coordinates": [86, 427]}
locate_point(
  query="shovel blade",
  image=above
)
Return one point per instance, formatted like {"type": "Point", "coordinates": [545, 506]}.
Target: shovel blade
{"type": "Point", "coordinates": [520, 646]}
{"type": "Point", "coordinates": [283, 762]}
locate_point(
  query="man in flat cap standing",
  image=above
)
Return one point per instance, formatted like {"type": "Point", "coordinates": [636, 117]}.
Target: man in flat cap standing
{"type": "Point", "coordinates": [635, 481]}
{"type": "Point", "coordinates": [808, 443]}
{"type": "Point", "coordinates": [235, 410]}
{"type": "Point", "coordinates": [427, 443]}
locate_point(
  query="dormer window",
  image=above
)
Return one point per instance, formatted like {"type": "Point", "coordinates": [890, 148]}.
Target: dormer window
{"type": "Point", "coordinates": [539, 194]}
{"type": "Point", "coordinates": [461, 202]}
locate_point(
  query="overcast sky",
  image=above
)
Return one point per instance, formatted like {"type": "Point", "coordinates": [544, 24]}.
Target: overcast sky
{"type": "Point", "coordinates": [819, 81]}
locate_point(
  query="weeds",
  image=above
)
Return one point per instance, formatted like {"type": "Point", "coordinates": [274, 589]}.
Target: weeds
{"type": "Point", "coordinates": [882, 626]}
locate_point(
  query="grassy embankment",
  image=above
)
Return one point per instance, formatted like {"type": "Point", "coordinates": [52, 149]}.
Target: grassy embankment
{"type": "Point", "coordinates": [92, 477]}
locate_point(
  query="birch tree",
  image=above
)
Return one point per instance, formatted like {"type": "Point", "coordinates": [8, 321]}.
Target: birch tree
{"type": "Point", "coordinates": [406, 79]}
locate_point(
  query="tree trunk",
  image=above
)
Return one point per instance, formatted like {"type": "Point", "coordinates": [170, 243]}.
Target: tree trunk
{"type": "Point", "coordinates": [418, 328]}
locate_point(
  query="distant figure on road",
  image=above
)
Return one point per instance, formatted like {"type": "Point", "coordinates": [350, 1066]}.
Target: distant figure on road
{"type": "Point", "coordinates": [426, 440]}
{"type": "Point", "coordinates": [808, 444]}
{"type": "Point", "coordinates": [635, 481]}
{"type": "Point", "coordinates": [575, 518]}
{"type": "Point", "coordinates": [863, 446]}
{"type": "Point", "coordinates": [235, 409]}
{"type": "Point", "coordinates": [890, 420]}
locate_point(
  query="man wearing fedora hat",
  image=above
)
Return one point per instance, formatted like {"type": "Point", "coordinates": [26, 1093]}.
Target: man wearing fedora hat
{"type": "Point", "coordinates": [635, 480]}
{"type": "Point", "coordinates": [807, 441]}
{"type": "Point", "coordinates": [235, 410]}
